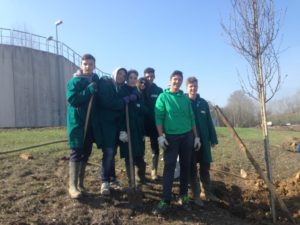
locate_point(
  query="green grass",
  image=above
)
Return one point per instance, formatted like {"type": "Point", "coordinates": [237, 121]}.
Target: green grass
{"type": "Point", "coordinates": [226, 153]}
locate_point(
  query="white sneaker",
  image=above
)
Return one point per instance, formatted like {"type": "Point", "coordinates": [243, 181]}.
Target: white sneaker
{"type": "Point", "coordinates": [105, 188]}
{"type": "Point", "coordinates": [154, 174]}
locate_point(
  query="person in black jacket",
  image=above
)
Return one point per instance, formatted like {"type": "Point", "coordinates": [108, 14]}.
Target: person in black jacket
{"type": "Point", "coordinates": [152, 91]}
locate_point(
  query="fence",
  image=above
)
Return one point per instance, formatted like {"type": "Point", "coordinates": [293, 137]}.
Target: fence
{"type": "Point", "coordinates": [25, 39]}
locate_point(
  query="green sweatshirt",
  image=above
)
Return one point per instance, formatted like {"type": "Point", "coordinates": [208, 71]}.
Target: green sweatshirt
{"type": "Point", "coordinates": [173, 111]}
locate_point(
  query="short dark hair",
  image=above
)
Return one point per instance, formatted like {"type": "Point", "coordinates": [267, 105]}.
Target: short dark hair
{"type": "Point", "coordinates": [132, 71]}
{"type": "Point", "coordinates": [191, 80]}
{"type": "Point", "coordinates": [149, 70]}
{"type": "Point", "coordinates": [88, 57]}
{"type": "Point", "coordinates": [176, 73]}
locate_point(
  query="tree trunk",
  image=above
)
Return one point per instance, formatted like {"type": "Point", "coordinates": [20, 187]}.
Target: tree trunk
{"type": "Point", "coordinates": [262, 100]}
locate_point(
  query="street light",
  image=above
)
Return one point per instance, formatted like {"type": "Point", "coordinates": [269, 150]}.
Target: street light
{"type": "Point", "coordinates": [57, 23]}
{"type": "Point", "coordinates": [50, 38]}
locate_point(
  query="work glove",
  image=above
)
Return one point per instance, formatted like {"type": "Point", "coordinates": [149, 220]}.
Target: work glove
{"type": "Point", "coordinates": [162, 141]}
{"type": "Point", "coordinates": [126, 99]}
{"type": "Point", "coordinates": [92, 87]}
{"type": "Point", "coordinates": [123, 136]}
{"type": "Point", "coordinates": [197, 144]}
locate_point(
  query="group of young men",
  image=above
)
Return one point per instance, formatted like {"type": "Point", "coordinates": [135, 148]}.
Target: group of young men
{"type": "Point", "coordinates": [178, 123]}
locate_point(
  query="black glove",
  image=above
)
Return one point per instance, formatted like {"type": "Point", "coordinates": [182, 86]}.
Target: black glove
{"type": "Point", "coordinates": [126, 99]}
{"type": "Point", "coordinates": [133, 97]}
{"type": "Point", "coordinates": [95, 78]}
{"type": "Point", "coordinates": [93, 87]}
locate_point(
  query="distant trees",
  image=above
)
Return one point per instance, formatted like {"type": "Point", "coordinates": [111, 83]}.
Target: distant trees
{"type": "Point", "coordinates": [241, 110]}
{"type": "Point", "coordinates": [285, 110]}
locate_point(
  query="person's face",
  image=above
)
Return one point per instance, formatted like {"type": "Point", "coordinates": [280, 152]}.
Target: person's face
{"type": "Point", "coordinates": [149, 77]}
{"type": "Point", "coordinates": [87, 66]}
{"type": "Point", "coordinates": [192, 88]}
{"type": "Point", "coordinates": [121, 76]}
{"type": "Point", "coordinates": [175, 83]}
{"type": "Point", "coordinates": [142, 84]}
{"type": "Point", "coordinates": [132, 80]}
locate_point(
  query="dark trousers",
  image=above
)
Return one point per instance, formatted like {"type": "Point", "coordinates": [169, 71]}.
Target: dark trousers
{"type": "Point", "coordinates": [203, 173]}
{"type": "Point", "coordinates": [205, 176]}
{"type": "Point", "coordinates": [138, 161]}
{"type": "Point", "coordinates": [83, 154]}
{"type": "Point", "coordinates": [154, 144]}
{"type": "Point", "coordinates": [182, 145]}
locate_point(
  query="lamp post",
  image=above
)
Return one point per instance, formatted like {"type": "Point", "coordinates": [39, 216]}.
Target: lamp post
{"type": "Point", "coordinates": [57, 23]}
{"type": "Point", "coordinates": [50, 38]}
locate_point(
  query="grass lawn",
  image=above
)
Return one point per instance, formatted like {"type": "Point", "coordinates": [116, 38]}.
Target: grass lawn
{"type": "Point", "coordinates": [226, 154]}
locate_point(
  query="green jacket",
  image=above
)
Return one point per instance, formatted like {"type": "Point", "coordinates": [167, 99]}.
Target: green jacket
{"type": "Point", "coordinates": [136, 111]}
{"type": "Point", "coordinates": [174, 112]}
{"type": "Point", "coordinates": [78, 97]}
{"type": "Point", "coordinates": [205, 129]}
{"type": "Point", "coordinates": [109, 106]}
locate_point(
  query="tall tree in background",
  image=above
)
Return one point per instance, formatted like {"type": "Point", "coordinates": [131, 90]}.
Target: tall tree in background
{"type": "Point", "coordinates": [252, 31]}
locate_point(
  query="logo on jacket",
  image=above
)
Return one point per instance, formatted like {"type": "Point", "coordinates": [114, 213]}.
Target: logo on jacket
{"type": "Point", "coordinates": [154, 96]}
{"type": "Point", "coordinates": [203, 112]}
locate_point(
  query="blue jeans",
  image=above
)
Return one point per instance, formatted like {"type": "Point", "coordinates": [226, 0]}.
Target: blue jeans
{"type": "Point", "coordinates": [182, 145]}
{"type": "Point", "coordinates": [108, 164]}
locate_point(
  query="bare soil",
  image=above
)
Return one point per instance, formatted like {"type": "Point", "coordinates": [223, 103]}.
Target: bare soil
{"type": "Point", "coordinates": [33, 190]}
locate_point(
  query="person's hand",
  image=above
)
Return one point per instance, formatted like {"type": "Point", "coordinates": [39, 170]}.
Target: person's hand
{"type": "Point", "coordinates": [93, 87]}
{"type": "Point", "coordinates": [95, 78]}
{"type": "Point", "coordinates": [126, 99]}
{"type": "Point", "coordinates": [197, 144]}
{"type": "Point", "coordinates": [162, 141]}
{"type": "Point", "coordinates": [132, 97]}
{"type": "Point", "coordinates": [213, 145]}
{"type": "Point", "coordinates": [123, 136]}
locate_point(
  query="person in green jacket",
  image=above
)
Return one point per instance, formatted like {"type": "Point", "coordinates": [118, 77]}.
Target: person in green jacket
{"type": "Point", "coordinates": [110, 105]}
{"type": "Point", "coordinates": [207, 133]}
{"type": "Point", "coordinates": [175, 124]}
{"type": "Point", "coordinates": [80, 89]}
{"type": "Point", "coordinates": [151, 93]}
{"type": "Point", "coordinates": [136, 112]}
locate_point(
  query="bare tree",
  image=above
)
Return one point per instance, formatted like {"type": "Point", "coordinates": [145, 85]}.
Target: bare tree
{"type": "Point", "coordinates": [252, 31]}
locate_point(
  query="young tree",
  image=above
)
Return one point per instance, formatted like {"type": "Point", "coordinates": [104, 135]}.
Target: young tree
{"type": "Point", "coordinates": [252, 31]}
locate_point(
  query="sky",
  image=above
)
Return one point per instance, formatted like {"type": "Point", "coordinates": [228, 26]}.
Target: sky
{"type": "Point", "coordinates": [167, 35]}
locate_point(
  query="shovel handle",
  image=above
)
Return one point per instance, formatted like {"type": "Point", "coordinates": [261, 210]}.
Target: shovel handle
{"type": "Point", "coordinates": [131, 166]}
{"type": "Point", "coordinates": [87, 118]}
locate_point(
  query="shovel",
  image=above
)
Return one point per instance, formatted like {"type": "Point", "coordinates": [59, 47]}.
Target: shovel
{"type": "Point", "coordinates": [134, 196]}
{"type": "Point", "coordinates": [88, 113]}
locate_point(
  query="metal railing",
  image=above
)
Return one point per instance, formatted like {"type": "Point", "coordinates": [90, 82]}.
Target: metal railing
{"type": "Point", "coordinates": [29, 40]}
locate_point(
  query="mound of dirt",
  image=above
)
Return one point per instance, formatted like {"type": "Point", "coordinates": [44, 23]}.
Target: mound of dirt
{"type": "Point", "coordinates": [292, 145]}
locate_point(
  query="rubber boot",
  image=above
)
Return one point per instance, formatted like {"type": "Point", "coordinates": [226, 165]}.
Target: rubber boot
{"type": "Point", "coordinates": [73, 179]}
{"type": "Point", "coordinates": [141, 172]}
{"type": "Point", "coordinates": [154, 167]}
{"type": "Point", "coordinates": [195, 186]}
{"type": "Point", "coordinates": [81, 177]}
